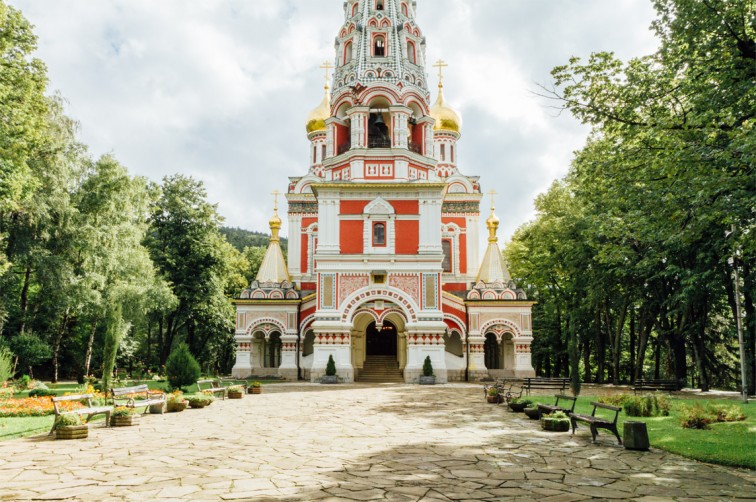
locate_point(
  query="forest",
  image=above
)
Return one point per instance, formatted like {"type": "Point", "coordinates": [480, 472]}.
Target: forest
{"type": "Point", "coordinates": [633, 255]}
{"type": "Point", "coordinates": [99, 268]}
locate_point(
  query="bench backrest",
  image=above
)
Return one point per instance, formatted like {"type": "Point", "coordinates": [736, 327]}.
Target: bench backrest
{"type": "Point", "coordinates": [125, 391]}
{"type": "Point", "coordinates": [615, 409]}
{"type": "Point", "coordinates": [75, 397]}
{"type": "Point", "coordinates": [214, 384]}
{"type": "Point", "coordinates": [565, 398]}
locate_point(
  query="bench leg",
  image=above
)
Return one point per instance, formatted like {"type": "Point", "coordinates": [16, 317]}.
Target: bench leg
{"type": "Point", "coordinates": [616, 433]}
{"type": "Point", "coordinates": [574, 424]}
{"type": "Point", "coordinates": [594, 432]}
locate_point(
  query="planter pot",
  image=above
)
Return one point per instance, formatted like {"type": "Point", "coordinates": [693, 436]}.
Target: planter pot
{"type": "Point", "coordinates": [494, 399]}
{"type": "Point", "coordinates": [330, 379]}
{"type": "Point", "coordinates": [158, 409]}
{"type": "Point", "coordinates": [124, 420]}
{"type": "Point", "coordinates": [177, 407]}
{"type": "Point", "coordinates": [635, 436]}
{"type": "Point", "coordinates": [235, 395]}
{"type": "Point", "coordinates": [254, 390]}
{"type": "Point", "coordinates": [518, 407]}
{"type": "Point", "coordinates": [198, 405]}
{"type": "Point", "coordinates": [427, 380]}
{"type": "Point", "coordinates": [555, 424]}
{"type": "Point", "coordinates": [72, 432]}
{"type": "Point", "coordinates": [532, 413]}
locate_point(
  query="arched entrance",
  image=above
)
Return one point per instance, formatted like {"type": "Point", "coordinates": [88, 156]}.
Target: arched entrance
{"type": "Point", "coordinates": [381, 341]}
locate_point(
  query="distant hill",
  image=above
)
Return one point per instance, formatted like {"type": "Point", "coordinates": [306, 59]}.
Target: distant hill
{"type": "Point", "coordinates": [240, 238]}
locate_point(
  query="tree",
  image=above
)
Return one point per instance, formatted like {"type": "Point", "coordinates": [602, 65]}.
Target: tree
{"type": "Point", "coordinates": [30, 351]}
{"type": "Point", "coordinates": [181, 367]}
{"type": "Point", "coordinates": [331, 366]}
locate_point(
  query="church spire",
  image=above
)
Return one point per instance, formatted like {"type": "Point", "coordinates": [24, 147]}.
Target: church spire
{"type": "Point", "coordinates": [273, 268]}
{"type": "Point", "coordinates": [492, 269]}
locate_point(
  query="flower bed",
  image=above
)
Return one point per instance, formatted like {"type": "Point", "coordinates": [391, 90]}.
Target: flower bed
{"type": "Point", "coordinates": [33, 407]}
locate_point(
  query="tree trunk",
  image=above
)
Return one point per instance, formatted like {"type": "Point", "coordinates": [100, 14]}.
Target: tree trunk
{"type": "Point", "coordinates": [24, 299]}
{"type": "Point", "coordinates": [631, 369]}
{"type": "Point", "coordinates": [600, 348]}
{"type": "Point", "coordinates": [90, 345]}
{"type": "Point", "coordinates": [558, 348]}
{"type": "Point", "coordinates": [657, 356]}
{"type": "Point", "coordinates": [57, 341]}
{"type": "Point", "coordinates": [749, 327]}
{"type": "Point", "coordinates": [587, 360]}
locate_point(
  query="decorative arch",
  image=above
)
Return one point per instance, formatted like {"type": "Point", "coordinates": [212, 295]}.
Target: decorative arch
{"type": "Point", "coordinates": [266, 325]}
{"type": "Point", "coordinates": [500, 326]}
{"type": "Point", "coordinates": [385, 23]}
{"type": "Point", "coordinates": [371, 293]}
{"type": "Point", "coordinates": [306, 323]}
{"type": "Point", "coordinates": [384, 315]}
{"type": "Point", "coordinates": [452, 320]}
{"type": "Point", "coordinates": [379, 206]}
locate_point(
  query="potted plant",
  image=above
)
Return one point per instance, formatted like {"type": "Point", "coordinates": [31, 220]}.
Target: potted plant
{"type": "Point", "coordinates": [236, 392]}
{"type": "Point", "coordinates": [330, 376]}
{"type": "Point", "coordinates": [428, 378]}
{"type": "Point", "coordinates": [493, 396]}
{"type": "Point", "coordinates": [518, 404]}
{"type": "Point", "coordinates": [254, 388]}
{"type": "Point", "coordinates": [176, 402]}
{"type": "Point", "coordinates": [557, 421]}
{"type": "Point", "coordinates": [70, 426]}
{"type": "Point", "coordinates": [532, 411]}
{"type": "Point", "coordinates": [200, 401]}
{"type": "Point", "coordinates": [124, 417]}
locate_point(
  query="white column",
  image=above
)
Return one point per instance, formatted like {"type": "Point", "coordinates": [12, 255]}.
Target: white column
{"type": "Point", "coordinates": [328, 223]}
{"type": "Point", "coordinates": [473, 247]}
{"type": "Point", "coordinates": [295, 246]}
{"type": "Point", "coordinates": [358, 116]}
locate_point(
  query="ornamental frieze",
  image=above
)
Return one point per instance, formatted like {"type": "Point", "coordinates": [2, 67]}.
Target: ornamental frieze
{"type": "Point", "coordinates": [467, 207]}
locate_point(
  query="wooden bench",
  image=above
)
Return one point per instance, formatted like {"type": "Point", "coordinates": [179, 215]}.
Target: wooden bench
{"type": "Point", "coordinates": [89, 410]}
{"type": "Point", "coordinates": [212, 386]}
{"type": "Point", "coordinates": [546, 409]}
{"type": "Point", "coordinates": [136, 397]}
{"type": "Point", "coordinates": [560, 384]}
{"type": "Point", "coordinates": [508, 389]}
{"type": "Point", "coordinates": [643, 384]}
{"type": "Point", "coordinates": [596, 423]}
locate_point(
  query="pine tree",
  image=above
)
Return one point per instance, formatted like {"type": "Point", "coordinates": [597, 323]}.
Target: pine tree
{"type": "Point", "coordinates": [181, 367]}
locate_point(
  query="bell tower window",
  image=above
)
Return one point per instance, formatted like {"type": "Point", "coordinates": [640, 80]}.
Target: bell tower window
{"type": "Point", "coordinates": [443, 153]}
{"type": "Point", "coordinates": [379, 234]}
{"type": "Point", "coordinates": [405, 11]}
{"type": "Point", "coordinates": [348, 52]}
{"type": "Point", "coordinates": [378, 4]}
{"type": "Point", "coordinates": [411, 52]}
{"type": "Point", "coordinates": [379, 46]}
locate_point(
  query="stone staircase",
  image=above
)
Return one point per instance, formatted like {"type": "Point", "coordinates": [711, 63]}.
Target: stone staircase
{"type": "Point", "coordinates": [380, 369]}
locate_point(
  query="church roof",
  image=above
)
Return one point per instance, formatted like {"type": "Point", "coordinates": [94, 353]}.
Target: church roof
{"type": "Point", "coordinates": [492, 268]}
{"type": "Point", "coordinates": [273, 268]}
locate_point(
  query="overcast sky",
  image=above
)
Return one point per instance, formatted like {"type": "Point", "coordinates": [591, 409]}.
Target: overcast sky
{"type": "Point", "coordinates": [219, 89]}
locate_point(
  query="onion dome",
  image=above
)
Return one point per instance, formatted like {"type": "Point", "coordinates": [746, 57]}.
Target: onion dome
{"type": "Point", "coordinates": [316, 119]}
{"type": "Point", "coordinates": [446, 118]}
{"type": "Point", "coordinates": [273, 268]}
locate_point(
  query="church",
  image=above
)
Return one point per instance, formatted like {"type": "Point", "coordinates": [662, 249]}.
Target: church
{"type": "Point", "coordinates": [383, 264]}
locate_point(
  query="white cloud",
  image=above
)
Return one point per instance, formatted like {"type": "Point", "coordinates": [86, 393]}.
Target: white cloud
{"type": "Point", "coordinates": [219, 89]}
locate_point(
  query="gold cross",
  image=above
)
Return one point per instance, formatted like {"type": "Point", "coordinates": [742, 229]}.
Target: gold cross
{"type": "Point", "coordinates": [275, 194]}
{"type": "Point", "coordinates": [492, 193]}
{"type": "Point", "coordinates": [440, 64]}
{"type": "Point", "coordinates": [327, 66]}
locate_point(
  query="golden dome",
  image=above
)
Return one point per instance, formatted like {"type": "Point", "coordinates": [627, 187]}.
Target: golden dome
{"type": "Point", "coordinates": [316, 119]}
{"type": "Point", "coordinates": [446, 118]}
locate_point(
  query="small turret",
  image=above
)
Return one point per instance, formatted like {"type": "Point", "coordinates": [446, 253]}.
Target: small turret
{"type": "Point", "coordinates": [492, 269]}
{"type": "Point", "coordinates": [273, 268]}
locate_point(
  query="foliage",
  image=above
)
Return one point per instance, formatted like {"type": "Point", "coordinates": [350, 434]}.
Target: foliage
{"type": "Point", "coordinates": [628, 255]}
{"type": "Point", "coordinates": [30, 350]}
{"type": "Point", "coordinates": [6, 364]}
{"type": "Point", "coordinates": [695, 417]}
{"type": "Point", "coordinates": [255, 384]}
{"type": "Point", "coordinates": [123, 411]}
{"type": "Point", "coordinates": [200, 400]}
{"type": "Point", "coordinates": [522, 400]}
{"type": "Point", "coordinates": [182, 368]}
{"type": "Point", "coordinates": [241, 239]}
{"type": "Point", "coordinates": [331, 366]}
{"type": "Point", "coordinates": [67, 419]}
{"type": "Point", "coordinates": [558, 415]}
{"type": "Point", "coordinates": [427, 367]}
{"type": "Point", "coordinates": [236, 389]}
{"type": "Point", "coordinates": [176, 397]}
{"type": "Point", "coordinates": [493, 391]}
{"type": "Point", "coordinates": [33, 407]}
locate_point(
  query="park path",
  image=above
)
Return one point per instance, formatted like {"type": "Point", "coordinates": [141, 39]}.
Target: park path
{"type": "Point", "coordinates": [393, 442]}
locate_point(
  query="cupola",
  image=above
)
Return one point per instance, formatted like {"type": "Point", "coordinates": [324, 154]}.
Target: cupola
{"type": "Point", "coordinates": [446, 118]}
{"type": "Point", "coordinates": [317, 117]}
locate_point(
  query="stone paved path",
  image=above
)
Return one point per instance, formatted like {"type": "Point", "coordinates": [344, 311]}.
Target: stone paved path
{"type": "Point", "coordinates": [353, 443]}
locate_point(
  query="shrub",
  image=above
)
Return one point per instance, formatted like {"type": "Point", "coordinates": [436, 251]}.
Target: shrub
{"type": "Point", "coordinates": [695, 417]}
{"type": "Point", "coordinates": [650, 405]}
{"type": "Point", "coordinates": [65, 419]}
{"type": "Point", "coordinates": [724, 413]}
{"type": "Point", "coordinates": [558, 415]}
{"type": "Point", "coordinates": [255, 384]}
{"type": "Point", "coordinates": [236, 388]}
{"type": "Point", "coordinates": [493, 391]}
{"type": "Point", "coordinates": [427, 367]}
{"type": "Point", "coordinates": [331, 366]}
{"type": "Point", "coordinates": [522, 400]}
{"type": "Point", "coordinates": [6, 364]}
{"type": "Point", "coordinates": [30, 349]}
{"type": "Point", "coordinates": [202, 400]}
{"type": "Point", "coordinates": [176, 397]}
{"type": "Point", "coordinates": [42, 393]}
{"type": "Point", "coordinates": [181, 367]}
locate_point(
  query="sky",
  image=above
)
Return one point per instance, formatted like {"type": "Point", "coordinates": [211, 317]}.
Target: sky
{"type": "Point", "coordinates": [220, 89]}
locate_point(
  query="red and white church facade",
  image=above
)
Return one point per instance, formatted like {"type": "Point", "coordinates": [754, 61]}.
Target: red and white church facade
{"type": "Point", "coordinates": [384, 260]}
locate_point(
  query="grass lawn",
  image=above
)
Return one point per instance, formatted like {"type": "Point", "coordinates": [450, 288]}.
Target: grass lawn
{"type": "Point", "coordinates": [11, 428]}
{"type": "Point", "coordinates": [726, 443]}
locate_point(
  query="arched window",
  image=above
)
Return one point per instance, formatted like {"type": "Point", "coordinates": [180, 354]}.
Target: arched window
{"type": "Point", "coordinates": [451, 148]}
{"type": "Point", "coordinates": [308, 345]}
{"type": "Point", "coordinates": [379, 234]}
{"type": "Point", "coordinates": [348, 52]}
{"type": "Point", "coordinates": [378, 4]}
{"type": "Point", "coordinates": [411, 52]}
{"type": "Point", "coordinates": [379, 47]}
{"type": "Point", "coordinates": [492, 352]}
{"type": "Point", "coordinates": [446, 246]}
{"type": "Point", "coordinates": [443, 153]}
{"type": "Point", "coordinates": [405, 11]}
{"type": "Point", "coordinates": [314, 154]}
{"type": "Point", "coordinates": [322, 153]}
{"type": "Point", "coordinates": [354, 8]}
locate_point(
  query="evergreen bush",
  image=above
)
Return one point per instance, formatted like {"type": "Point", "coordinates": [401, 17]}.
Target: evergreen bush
{"type": "Point", "coordinates": [181, 367]}
{"type": "Point", "coordinates": [331, 366]}
{"type": "Point", "coordinates": [427, 367]}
